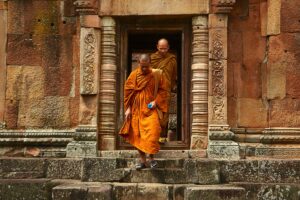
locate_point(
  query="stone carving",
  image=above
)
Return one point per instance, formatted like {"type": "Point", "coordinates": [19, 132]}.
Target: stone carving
{"type": "Point", "coordinates": [224, 6]}
{"type": "Point", "coordinates": [88, 64]}
{"type": "Point", "coordinates": [281, 136]}
{"type": "Point", "coordinates": [199, 97]}
{"type": "Point", "coordinates": [86, 6]}
{"type": "Point", "coordinates": [218, 87]}
{"type": "Point", "coordinates": [2, 125]}
{"type": "Point", "coordinates": [86, 133]}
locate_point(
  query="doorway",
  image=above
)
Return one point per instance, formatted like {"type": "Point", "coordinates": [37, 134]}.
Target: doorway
{"type": "Point", "coordinates": [140, 36]}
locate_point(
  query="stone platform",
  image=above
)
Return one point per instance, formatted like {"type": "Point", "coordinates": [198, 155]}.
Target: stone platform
{"type": "Point", "coordinates": [175, 178]}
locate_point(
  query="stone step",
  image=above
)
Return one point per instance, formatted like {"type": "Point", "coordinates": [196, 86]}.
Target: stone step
{"type": "Point", "coordinates": [161, 162]}
{"type": "Point", "coordinates": [161, 154]}
{"type": "Point", "coordinates": [116, 169]}
{"type": "Point", "coordinates": [146, 191]}
{"type": "Point", "coordinates": [215, 192]}
{"type": "Point", "coordinates": [193, 171]}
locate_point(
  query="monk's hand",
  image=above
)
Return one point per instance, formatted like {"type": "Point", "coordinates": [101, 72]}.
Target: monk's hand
{"type": "Point", "coordinates": [128, 113]}
{"type": "Point", "coordinates": [153, 104]}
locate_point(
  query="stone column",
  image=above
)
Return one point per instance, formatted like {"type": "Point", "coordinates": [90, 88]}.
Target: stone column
{"type": "Point", "coordinates": [221, 145]}
{"type": "Point", "coordinates": [199, 84]}
{"type": "Point", "coordinates": [85, 143]}
{"type": "Point", "coordinates": [107, 98]}
{"type": "Point", "coordinates": [3, 40]}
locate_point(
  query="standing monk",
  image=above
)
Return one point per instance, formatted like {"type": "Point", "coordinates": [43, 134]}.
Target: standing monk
{"type": "Point", "coordinates": [165, 61]}
{"type": "Point", "coordinates": [145, 92]}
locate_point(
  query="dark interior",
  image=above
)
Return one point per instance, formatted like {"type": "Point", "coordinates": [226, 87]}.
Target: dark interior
{"type": "Point", "coordinates": [146, 42]}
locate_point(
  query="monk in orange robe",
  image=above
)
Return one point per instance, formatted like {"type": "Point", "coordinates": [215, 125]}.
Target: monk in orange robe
{"type": "Point", "coordinates": [165, 61]}
{"type": "Point", "coordinates": [145, 96]}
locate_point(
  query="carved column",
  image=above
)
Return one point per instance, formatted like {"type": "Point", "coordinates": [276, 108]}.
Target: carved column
{"type": "Point", "coordinates": [107, 100]}
{"type": "Point", "coordinates": [221, 144]}
{"type": "Point", "coordinates": [199, 85]}
{"type": "Point", "coordinates": [85, 143]}
{"type": "Point", "coordinates": [3, 40]}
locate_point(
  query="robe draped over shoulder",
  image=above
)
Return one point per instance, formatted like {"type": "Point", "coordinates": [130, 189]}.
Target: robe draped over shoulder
{"type": "Point", "coordinates": [143, 126]}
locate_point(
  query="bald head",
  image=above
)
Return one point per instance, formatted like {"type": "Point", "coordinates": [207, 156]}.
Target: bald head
{"type": "Point", "coordinates": [163, 46]}
{"type": "Point", "coordinates": [144, 57]}
{"type": "Point", "coordinates": [144, 61]}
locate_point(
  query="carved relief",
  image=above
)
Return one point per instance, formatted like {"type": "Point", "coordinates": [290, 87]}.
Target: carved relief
{"type": "Point", "coordinates": [88, 64]}
{"type": "Point", "coordinates": [200, 76]}
{"type": "Point", "coordinates": [222, 6]}
{"type": "Point", "coordinates": [218, 86]}
{"type": "Point", "coordinates": [86, 6]}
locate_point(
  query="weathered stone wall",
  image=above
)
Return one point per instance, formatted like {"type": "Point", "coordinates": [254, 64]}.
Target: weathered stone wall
{"type": "Point", "coordinates": [42, 75]}
{"type": "Point", "coordinates": [263, 64]}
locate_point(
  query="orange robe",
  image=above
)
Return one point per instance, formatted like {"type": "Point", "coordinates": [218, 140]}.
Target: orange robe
{"type": "Point", "coordinates": [168, 65]}
{"type": "Point", "coordinates": [144, 128]}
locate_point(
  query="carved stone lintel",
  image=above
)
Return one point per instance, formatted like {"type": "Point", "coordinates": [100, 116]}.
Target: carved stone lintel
{"type": "Point", "coordinates": [222, 6]}
{"type": "Point", "coordinates": [84, 7]}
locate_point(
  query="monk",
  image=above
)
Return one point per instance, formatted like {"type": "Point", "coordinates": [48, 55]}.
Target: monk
{"type": "Point", "coordinates": [145, 96]}
{"type": "Point", "coordinates": [165, 61]}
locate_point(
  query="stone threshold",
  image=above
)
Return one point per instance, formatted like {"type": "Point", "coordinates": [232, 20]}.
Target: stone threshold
{"type": "Point", "coordinates": [160, 154]}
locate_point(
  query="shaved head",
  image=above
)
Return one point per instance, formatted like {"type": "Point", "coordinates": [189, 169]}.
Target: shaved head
{"type": "Point", "coordinates": [163, 41]}
{"type": "Point", "coordinates": [144, 61]}
{"type": "Point", "coordinates": [144, 57]}
{"type": "Point", "coordinates": [163, 47]}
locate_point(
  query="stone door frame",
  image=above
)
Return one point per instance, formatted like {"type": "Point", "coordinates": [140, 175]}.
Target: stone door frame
{"type": "Point", "coordinates": [148, 25]}
{"type": "Point", "coordinates": [208, 72]}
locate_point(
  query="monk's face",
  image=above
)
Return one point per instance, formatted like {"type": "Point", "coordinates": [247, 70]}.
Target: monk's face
{"type": "Point", "coordinates": [145, 66]}
{"type": "Point", "coordinates": [163, 47]}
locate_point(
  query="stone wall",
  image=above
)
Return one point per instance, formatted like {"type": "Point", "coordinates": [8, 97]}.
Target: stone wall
{"type": "Point", "coordinates": [263, 64]}
{"type": "Point", "coordinates": [42, 69]}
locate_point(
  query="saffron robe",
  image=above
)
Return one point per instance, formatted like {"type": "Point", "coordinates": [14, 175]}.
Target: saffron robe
{"type": "Point", "coordinates": [168, 65]}
{"type": "Point", "coordinates": [144, 126]}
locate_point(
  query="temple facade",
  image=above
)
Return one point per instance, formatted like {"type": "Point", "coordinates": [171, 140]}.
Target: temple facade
{"type": "Point", "coordinates": [63, 64]}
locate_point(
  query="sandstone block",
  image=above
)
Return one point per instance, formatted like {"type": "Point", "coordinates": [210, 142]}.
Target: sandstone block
{"type": "Point", "coordinates": [25, 189]}
{"type": "Point", "coordinates": [70, 192]}
{"type": "Point", "coordinates": [100, 192]}
{"type": "Point", "coordinates": [19, 168]}
{"type": "Point", "coordinates": [64, 168]}
{"type": "Point", "coordinates": [153, 191]}
{"type": "Point", "coordinates": [252, 113]}
{"type": "Point", "coordinates": [201, 171]}
{"type": "Point", "coordinates": [274, 13]}
{"type": "Point", "coordinates": [215, 192]}
{"type": "Point", "coordinates": [290, 16]}
{"type": "Point", "coordinates": [239, 171]}
{"type": "Point", "coordinates": [124, 191]}
{"type": "Point", "coordinates": [22, 49]}
{"type": "Point", "coordinates": [285, 113]}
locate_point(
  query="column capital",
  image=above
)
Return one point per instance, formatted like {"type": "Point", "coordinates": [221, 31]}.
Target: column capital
{"type": "Point", "coordinates": [222, 6]}
{"type": "Point", "coordinates": [86, 7]}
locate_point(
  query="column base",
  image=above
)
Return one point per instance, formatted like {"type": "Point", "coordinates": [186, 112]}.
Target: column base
{"type": "Point", "coordinates": [223, 149]}
{"type": "Point", "coordinates": [85, 144]}
{"type": "Point", "coordinates": [199, 142]}
{"type": "Point", "coordinates": [82, 149]}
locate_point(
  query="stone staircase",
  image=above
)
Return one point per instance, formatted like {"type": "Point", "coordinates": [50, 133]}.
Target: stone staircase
{"type": "Point", "coordinates": [180, 175]}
